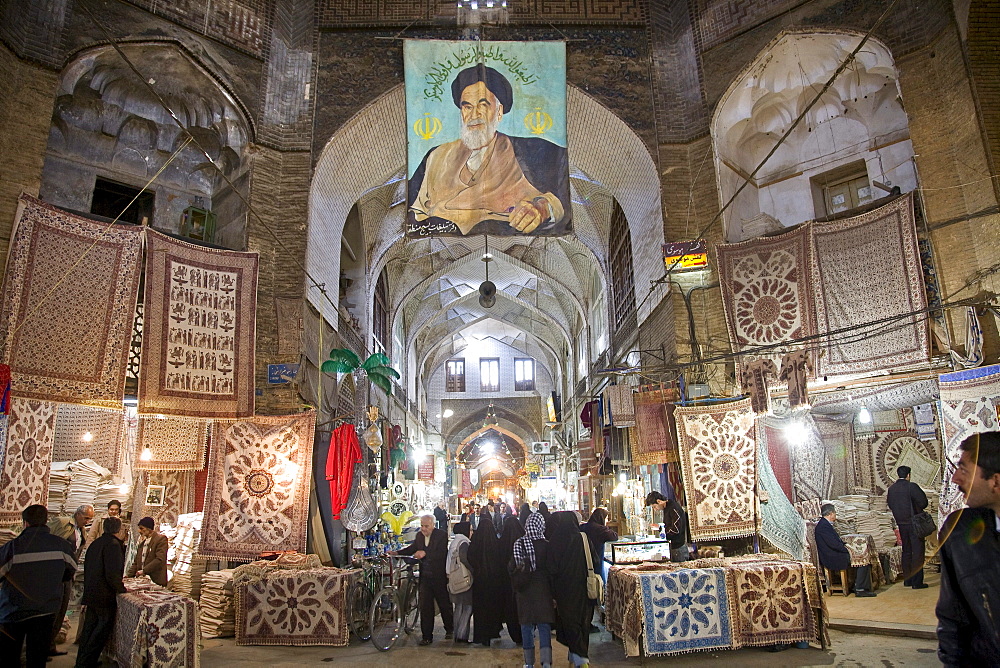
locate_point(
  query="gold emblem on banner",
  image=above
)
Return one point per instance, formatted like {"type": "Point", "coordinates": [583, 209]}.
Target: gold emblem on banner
{"type": "Point", "coordinates": [538, 121]}
{"type": "Point", "coordinates": [427, 127]}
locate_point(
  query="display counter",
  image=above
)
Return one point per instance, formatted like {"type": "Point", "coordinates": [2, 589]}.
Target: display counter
{"type": "Point", "coordinates": [632, 551]}
{"type": "Point", "coordinates": [155, 627]}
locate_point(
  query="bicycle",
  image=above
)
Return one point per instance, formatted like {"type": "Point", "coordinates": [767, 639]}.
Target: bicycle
{"type": "Point", "coordinates": [395, 606]}
{"type": "Point", "coordinates": [362, 594]}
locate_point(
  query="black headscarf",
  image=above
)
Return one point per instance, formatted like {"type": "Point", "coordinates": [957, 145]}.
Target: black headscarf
{"type": "Point", "coordinates": [544, 510]}
{"type": "Point", "coordinates": [567, 565]}
{"type": "Point", "coordinates": [462, 528]}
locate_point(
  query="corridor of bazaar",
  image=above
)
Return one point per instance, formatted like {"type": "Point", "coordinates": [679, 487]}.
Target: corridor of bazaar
{"type": "Point", "coordinates": [290, 286]}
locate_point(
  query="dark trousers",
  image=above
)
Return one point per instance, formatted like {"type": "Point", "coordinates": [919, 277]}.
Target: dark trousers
{"type": "Point", "coordinates": [97, 626]}
{"type": "Point", "coordinates": [36, 631]}
{"type": "Point", "coordinates": [61, 615]}
{"type": "Point", "coordinates": [863, 578]}
{"type": "Point", "coordinates": [432, 590]}
{"type": "Point", "coordinates": [913, 556]}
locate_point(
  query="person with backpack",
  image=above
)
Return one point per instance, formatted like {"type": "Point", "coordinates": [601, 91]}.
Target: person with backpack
{"type": "Point", "coordinates": [460, 581]}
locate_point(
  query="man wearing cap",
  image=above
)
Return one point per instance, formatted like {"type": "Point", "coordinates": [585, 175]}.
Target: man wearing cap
{"type": "Point", "coordinates": [151, 555]}
{"type": "Point", "coordinates": [487, 181]}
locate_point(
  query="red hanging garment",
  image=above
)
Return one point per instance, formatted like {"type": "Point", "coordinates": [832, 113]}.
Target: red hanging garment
{"type": "Point", "coordinates": [344, 453]}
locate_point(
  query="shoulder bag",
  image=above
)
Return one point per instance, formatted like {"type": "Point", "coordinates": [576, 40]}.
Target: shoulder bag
{"type": "Point", "coordinates": [595, 585]}
{"type": "Point", "coordinates": [459, 575]}
{"type": "Point", "coordinates": [923, 524]}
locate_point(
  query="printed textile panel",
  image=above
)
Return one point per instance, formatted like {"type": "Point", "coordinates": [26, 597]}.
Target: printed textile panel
{"type": "Point", "coordinates": [258, 486]}
{"type": "Point", "coordinates": [860, 548]}
{"type": "Point", "coordinates": [780, 523]}
{"type": "Point", "coordinates": [178, 497]}
{"type": "Point", "coordinates": [838, 443]}
{"type": "Point", "coordinates": [718, 451]}
{"type": "Point", "coordinates": [198, 330]}
{"type": "Point", "coordinates": [106, 444]}
{"type": "Point", "coordinates": [174, 444]}
{"type": "Point", "coordinates": [156, 628]}
{"type": "Point", "coordinates": [685, 611]}
{"type": "Point", "coordinates": [304, 607]}
{"type": "Point", "coordinates": [767, 292]}
{"type": "Point", "coordinates": [770, 604]}
{"type": "Point", "coordinates": [969, 404]}
{"type": "Point", "coordinates": [885, 452]}
{"type": "Point", "coordinates": [27, 457]}
{"type": "Point", "coordinates": [851, 291]}
{"type": "Point", "coordinates": [66, 324]}
{"type": "Point", "coordinates": [654, 429]}
{"type": "Point", "coordinates": [811, 474]}
{"type": "Point", "coordinates": [257, 570]}
{"type": "Point", "coordinates": [620, 401]}
{"type": "Point", "coordinates": [777, 456]}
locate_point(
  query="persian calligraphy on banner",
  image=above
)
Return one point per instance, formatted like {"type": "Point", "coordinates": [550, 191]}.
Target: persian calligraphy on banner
{"type": "Point", "coordinates": [486, 128]}
{"type": "Point", "coordinates": [198, 339]}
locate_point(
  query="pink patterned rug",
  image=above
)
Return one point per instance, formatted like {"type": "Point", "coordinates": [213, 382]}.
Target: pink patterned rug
{"type": "Point", "coordinates": [198, 330]}
{"type": "Point", "coordinates": [718, 459]}
{"type": "Point", "coordinates": [66, 322]}
{"type": "Point", "coordinates": [767, 291]}
{"type": "Point", "coordinates": [27, 456]}
{"type": "Point", "coordinates": [867, 268]}
{"type": "Point", "coordinates": [258, 486]}
{"type": "Point", "coordinates": [654, 441]}
{"type": "Point", "coordinates": [770, 604]}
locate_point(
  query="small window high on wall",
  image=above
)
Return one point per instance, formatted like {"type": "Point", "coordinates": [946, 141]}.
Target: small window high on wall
{"type": "Point", "coordinates": [115, 200]}
{"type": "Point", "coordinates": [454, 376]}
{"type": "Point", "coordinates": [842, 190]}
{"type": "Point", "coordinates": [524, 374]}
{"type": "Point", "coordinates": [489, 374]}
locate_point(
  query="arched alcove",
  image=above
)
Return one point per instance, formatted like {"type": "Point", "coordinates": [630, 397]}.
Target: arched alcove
{"type": "Point", "coordinates": [108, 127]}
{"type": "Point", "coordinates": [855, 136]}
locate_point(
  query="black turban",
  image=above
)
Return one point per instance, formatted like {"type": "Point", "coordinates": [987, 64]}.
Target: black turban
{"type": "Point", "coordinates": [495, 82]}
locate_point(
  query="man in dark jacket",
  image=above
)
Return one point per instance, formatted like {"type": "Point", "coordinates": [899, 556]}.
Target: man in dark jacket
{"type": "Point", "coordinates": [968, 608]}
{"type": "Point", "coordinates": [33, 568]}
{"type": "Point", "coordinates": [431, 546]}
{"type": "Point", "coordinates": [102, 582]}
{"type": "Point", "coordinates": [441, 517]}
{"type": "Point", "coordinates": [834, 555]}
{"type": "Point", "coordinates": [905, 500]}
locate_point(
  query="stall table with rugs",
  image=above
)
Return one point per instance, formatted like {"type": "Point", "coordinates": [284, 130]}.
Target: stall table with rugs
{"type": "Point", "coordinates": [863, 553]}
{"type": "Point", "coordinates": [722, 603]}
{"type": "Point", "coordinates": [155, 627]}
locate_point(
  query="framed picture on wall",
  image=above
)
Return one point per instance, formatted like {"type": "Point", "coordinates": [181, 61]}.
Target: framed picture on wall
{"type": "Point", "coordinates": [154, 495]}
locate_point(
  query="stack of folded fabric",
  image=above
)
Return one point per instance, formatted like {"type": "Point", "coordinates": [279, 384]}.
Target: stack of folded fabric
{"type": "Point", "coordinates": [108, 491]}
{"type": "Point", "coordinates": [218, 604]}
{"type": "Point", "coordinates": [59, 479]}
{"type": "Point", "coordinates": [86, 476]}
{"type": "Point", "coordinates": [187, 569]}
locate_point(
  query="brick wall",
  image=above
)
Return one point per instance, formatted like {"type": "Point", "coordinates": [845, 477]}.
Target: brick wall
{"type": "Point", "coordinates": [984, 62]}
{"type": "Point", "coordinates": [242, 24]}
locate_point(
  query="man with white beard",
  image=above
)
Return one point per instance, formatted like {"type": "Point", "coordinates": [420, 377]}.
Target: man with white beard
{"type": "Point", "coordinates": [487, 180]}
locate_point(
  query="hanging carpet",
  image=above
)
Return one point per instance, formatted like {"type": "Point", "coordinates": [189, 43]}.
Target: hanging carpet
{"type": "Point", "coordinates": [177, 498]}
{"type": "Point", "coordinates": [198, 330]}
{"type": "Point", "coordinates": [258, 486]}
{"type": "Point", "coordinates": [717, 452]}
{"type": "Point", "coordinates": [884, 455]}
{"type": "Point", "coordinates": [621, 405]}
{"type": "Point", "coordinates": [776, 450]}
{"type": "Point", "coordinates": [767, 291]}
{"type": "Point", "coordinates": [654, 428]}
{"type": "Point", "coordinates": [780, 524]}
{"type": "Point", "coordinates": [868, 268]}
{"type": "Point", "coordinates": [106, 443]}
{"type": "Point", "coordinates": [26, 457]}
{"type": "Point", "coordinates": [68, 304]}
{"type": "Point", "coordinates": [838, 442]}
{"type": "Point", "coordinates": [175, 444]}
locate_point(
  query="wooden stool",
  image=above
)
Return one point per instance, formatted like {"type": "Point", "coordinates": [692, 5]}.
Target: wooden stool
{"type": "Point", "coordinates": [843, 587]}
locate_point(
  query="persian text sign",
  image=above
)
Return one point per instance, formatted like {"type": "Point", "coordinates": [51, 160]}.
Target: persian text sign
{"type": "Point", "coordinates": [685, 255]}
{"type": "Point", "coordinates": [425, 471]}
{"type": "Point", "coordinates": [486, 128]}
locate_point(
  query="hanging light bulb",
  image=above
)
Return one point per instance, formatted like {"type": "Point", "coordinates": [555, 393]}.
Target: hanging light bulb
{"type": "Point", "coordinates": [87, 437]}
{"type": "Point", "coordinates": [796, 433]}
{"type": "Point", "coordinates": [147, 455]}
{"type": "Point", "coordinates": [864, 415]}
{"type": "Point", "coordinates": [623, 476]}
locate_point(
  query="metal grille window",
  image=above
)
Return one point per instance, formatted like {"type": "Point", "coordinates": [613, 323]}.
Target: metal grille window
{"type": "Point", "coordinates": [380, 315]}
{"type": "Point", "coordinates": [622, 287]}
{"type": "Point", "coordinates": [489, 374]}
{"type": "Point", "coordinates": [524, 374]}
{"type": "Point", "coordinates": [454, 376]}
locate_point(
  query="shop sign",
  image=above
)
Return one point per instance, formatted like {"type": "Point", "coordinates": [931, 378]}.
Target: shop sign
{"type": "Point", "coordinates": [279, 374]}
{"type": "Point", "coordinates": [425, 471]}
{"type": "Point", "coordinates": [685, 255]}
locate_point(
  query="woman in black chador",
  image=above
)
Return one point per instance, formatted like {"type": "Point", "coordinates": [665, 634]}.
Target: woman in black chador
{"type": "Point", "coordinates": [488, 572]}
{"type": "Point", "coordinates": [512, 530]}
{"type": "Point", "coordinates": [568, 572]}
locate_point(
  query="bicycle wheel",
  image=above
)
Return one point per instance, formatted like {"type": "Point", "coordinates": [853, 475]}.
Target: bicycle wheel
{"type": "Point", "coordinates": [411, 608]}
{"type": "Point", "coordinates": [386, 619]}
{"type": "Point", "coordinates": [359, 605]}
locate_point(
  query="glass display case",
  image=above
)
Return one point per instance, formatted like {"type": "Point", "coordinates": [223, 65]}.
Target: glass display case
{"type": "Point", "coordinates": [636, 551]}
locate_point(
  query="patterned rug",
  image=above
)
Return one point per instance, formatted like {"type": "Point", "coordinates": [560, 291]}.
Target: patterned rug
{"type": "Point", "coordinates": [780, 523]}
{"type": "Point", "coordinates": [258, 488]}
{"type": "Point", "coordinates": [851, 291]}
{"type": "Point", "coordinates": [769, 604]}
{"type": "Point", "coordinates": [622, 605]}
{"type": "Point", "coordinates": [884, 454]}
{"type": "Point", "coordinates": [811, 472]}
{"type": "Point", "coordinates": [685, 611]}
{"type": "Point", "coordinates": [156, 628]}
{"type": "Point", "coordinates": [718, 451]}
{"type": "Point", "coordinates": [766, 291]}
{"type": "Point", "coordinates": [838, 442]}
{"type": "Point", "coordinates": [178, 496]}
{"type": "Point", "coordinates": [654, 441]}
{"type": "Point", "coordinates": [776, 449]}
{"type": "Point", "coordinates": [621, 404]}
{"type": "Point", "coordinates": [174, 444]}
{"type": "Point", "coordinates": [106, 443]}
{"type": "Point", "coordinates": [198, 330]}
{"type": "Point", "coordinates": [65, 326]}
{"type": "Point", "coordinates": [969, 405]}
{"type": "Point", "coordinates": [27, 456]}
{"type": "Point", "coordinates": [303, 607]}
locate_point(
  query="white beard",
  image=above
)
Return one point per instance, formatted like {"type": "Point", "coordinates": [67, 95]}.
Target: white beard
{"type": "Point", "coordinates": [479, 135]}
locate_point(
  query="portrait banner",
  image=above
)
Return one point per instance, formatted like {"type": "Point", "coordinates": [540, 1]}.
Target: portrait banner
{"type": "Point", "coordinates": [486, 129]}
{"type": "Point", "coordinates": [199, 330]}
